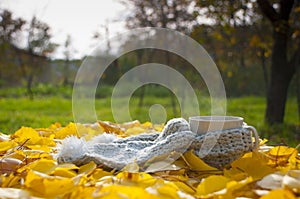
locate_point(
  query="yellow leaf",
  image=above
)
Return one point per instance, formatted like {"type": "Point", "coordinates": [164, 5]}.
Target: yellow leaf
{"type": "Point", "coordinates": [40, 147]}
{"type": "Point", "coordinates": [246, 165]}
{"type": "Point", "coordinates": [110, 127]}
{"type": "Point", "coordinates": [45, 132]}
{"type": "Point", "coordinates": [119, 191]}
{"type": "Point", "coordinates": [147, 124]}
{"type": "Point", "coordinates": [68, 165]}
{"type": "Point", "coordinates": [10, 181]}
{"type": "Point", "coordinates": [99, 173]}
{"type": "Point", "coordinates": [196, 163]}
{"type": "Point", "coordinates": [130, 176]}
{"type": "Point", "coordinates": [90, 132]}
{"type": "Point", "coordinates": [233, 187]}
{"type": "Point", "coordinates": [281, 156]}
{"type": "Point", "coordinates": [83, 192]}
{"type": "Point", "coordinates": [185, 187]}
{"type": "Point", "coordinates": [263, 141]}
{"type": "Point", "coordinates": [134, 131]}
{"type": "Point", "coordinates": [158, 127]}
{"type": "Point", "coordinates": [4, 146]}
{"type": "Point", "coordinates": [142, 179]}
{"type": "Point", "coordinates": [63, 172]}
{"type": "Point", "coordinates": [294, 162]}
{"type": "Point", "coordinates": [281, 151]}
{"type": "Point", "coordinates": [131, 124]}
{"type": "Point", "coordinates": [47, 186]}
{"type": "Point", "coordinates": [83, 130]}
{"type": "Point", "coordinates": [55, 126]}
{"type": "Point", "coordinates": [42, 165]}
{"type": "Point", "coordinates": [67, 170]}
{"type": "Point", "coordinates": [279, 194]}
{"type": "Point", "coordinates": [15, 155]}
{"type": "Point", "coordinates": [235, 174]}
{"type": "Point", "coordinates": [168, 190]}
{"type": "Point", "coordinates": [36, 170]}
{"type": "Point", "coordinates": [211, 184]}
{"type": "Point", "coordinates": [32, 155]}
{"type": "Point", "coordinates": [146, 180]}
{"type": "Point", "coordinates": [87, 168]}
{"type": "Point", "coordinates": [132, 167]}
{"type": "Point", "coordinates": [28, 136]}
{"type": "Point", "coordinates": [69, 130]}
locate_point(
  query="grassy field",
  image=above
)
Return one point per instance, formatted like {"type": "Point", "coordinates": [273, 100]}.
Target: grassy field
{"type": "Point", "coordinates": [42, 112]}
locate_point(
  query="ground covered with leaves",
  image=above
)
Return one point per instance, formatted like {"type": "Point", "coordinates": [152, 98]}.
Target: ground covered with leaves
{"type": "Point", "coordinates": [29, 169]}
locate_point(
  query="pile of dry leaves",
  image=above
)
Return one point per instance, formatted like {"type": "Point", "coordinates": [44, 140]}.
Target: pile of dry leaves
{"type": "Point", "coordinates": [29, 170]}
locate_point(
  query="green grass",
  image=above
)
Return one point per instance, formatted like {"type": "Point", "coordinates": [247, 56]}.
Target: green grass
{"type": "Point", "coordinates": [252, 109]}
{"type": "Point", "coordinates": [42, 112]}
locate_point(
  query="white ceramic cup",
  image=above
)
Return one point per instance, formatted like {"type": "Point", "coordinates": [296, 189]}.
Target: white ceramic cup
{"type": "Point", "coordinates": [204, 124]}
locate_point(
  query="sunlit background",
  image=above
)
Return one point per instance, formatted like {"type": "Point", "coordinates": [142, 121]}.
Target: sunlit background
{"type": "Point", "coordinates": [43, 43]}
{"type": "Point", "coordinates": [81, 20]}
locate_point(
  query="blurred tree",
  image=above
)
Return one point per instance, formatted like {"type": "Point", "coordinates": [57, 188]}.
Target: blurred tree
{"type": "Point", "coordinates": [238, 39]}
{"type": "Point", "coordinates": [9, 35]}
{"type": "Point", "coordinates": [97, 36]}
{"type": "Point", "coordinates": [283, 47]}
{"type": "Point", "coordinates": [173, 14]}
{"type": "Point", "coordinates": [114, 71]}
{"type": "Point", "coordinates": [285, 58]}
{"type": "Point", "coordinates": [23, 50]}
{"type": "Point", "coordinates": [67, 53]}
{"type": "Point", "coordinates": [9, 27]}
{"type": "Point", "coordinates": [38, 45]}
{"type": "Point", "coordinates": [296, 37]}
{"type": "Point", "coordinates": [261, 45]}
{"type": "Point", "coordinates": [39, 38]}
{"type": "Point", "coordinates": [235, 27]}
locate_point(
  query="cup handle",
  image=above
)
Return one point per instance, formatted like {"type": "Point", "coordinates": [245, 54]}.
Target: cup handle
{"type": "Point", "coordinates": [256, 143]}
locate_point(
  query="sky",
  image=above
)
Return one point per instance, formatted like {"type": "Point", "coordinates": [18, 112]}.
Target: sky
{"type": "Point", "coordinates": [78, 18]}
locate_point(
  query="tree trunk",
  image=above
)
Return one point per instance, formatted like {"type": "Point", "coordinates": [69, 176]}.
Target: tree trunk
{"type": "Point", "coordinates": [298, 92]}
{"type": "Point", "coordinates": [282, 70]}
{"type": "Point", "coordinates": [139, 56]}
{"type": "Point", "coordinates": [29, 86]}
{"type": "Point", "coordinates": [142, 95]}
{"type": "Point", "coordinates": [265, 70]}
{"type": "Point", "coordinates": [281, 75]}
{"type": "Point", "coordinates": [173, 102]}
{"type": "Point", "coordinates": [66, 73]}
